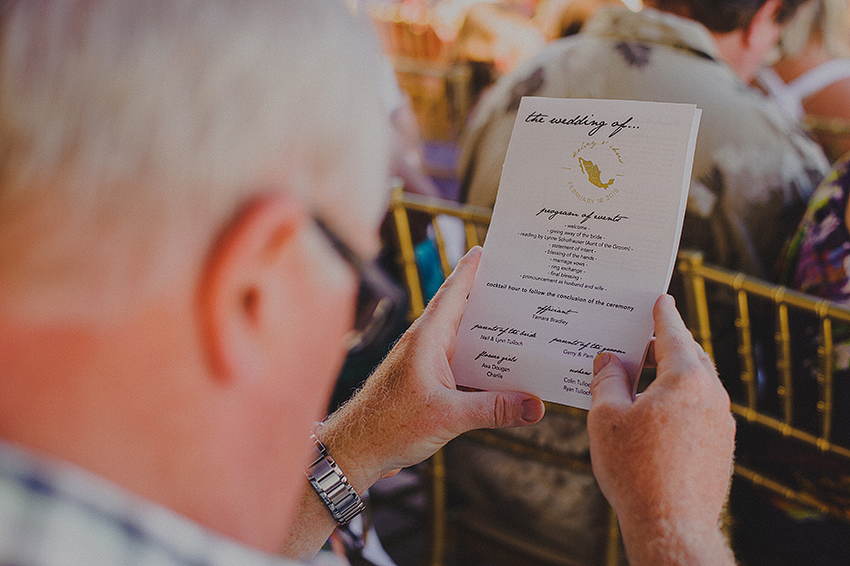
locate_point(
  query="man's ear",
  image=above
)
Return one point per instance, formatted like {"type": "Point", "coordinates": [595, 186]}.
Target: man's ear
{"type": "Point", "coordinates": [243, 281]}
{"type": "Point", "coordinates": [763, 29]}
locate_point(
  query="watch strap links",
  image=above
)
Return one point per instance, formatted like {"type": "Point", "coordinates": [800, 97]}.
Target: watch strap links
{"type": "Point", "coordinates": [332, 486]}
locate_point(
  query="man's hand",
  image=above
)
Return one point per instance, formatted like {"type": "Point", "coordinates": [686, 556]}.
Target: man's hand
{"type": "Point", "coordinates": [664, 459]}
{"type": "Point", "coordinates": [410, 407]}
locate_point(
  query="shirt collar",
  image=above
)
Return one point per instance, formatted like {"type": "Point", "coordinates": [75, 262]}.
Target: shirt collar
{"type": "Point", "coordinates": [653, 26]}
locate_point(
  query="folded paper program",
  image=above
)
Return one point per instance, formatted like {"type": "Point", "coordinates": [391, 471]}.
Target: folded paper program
{"type": "Point", "coordinates": [582, 242]}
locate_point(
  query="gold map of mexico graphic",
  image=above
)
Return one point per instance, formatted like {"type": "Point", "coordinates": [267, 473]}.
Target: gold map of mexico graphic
{"type": "Point", "coordinates": [594, 175]}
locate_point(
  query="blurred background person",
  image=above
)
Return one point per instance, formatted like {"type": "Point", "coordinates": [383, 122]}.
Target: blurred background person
{"type": "Point", "coordinates": [811, 78]}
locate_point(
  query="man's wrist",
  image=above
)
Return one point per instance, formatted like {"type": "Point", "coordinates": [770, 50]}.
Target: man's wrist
{"type": "Point", "coordinates": [346, 436]}
{"type": "Point", "coordinates": [670, 543]}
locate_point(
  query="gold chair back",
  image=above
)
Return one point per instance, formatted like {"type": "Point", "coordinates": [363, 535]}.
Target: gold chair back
{"type": "Point", "coordinates": [475, 221]}
{"type": "Point", "coordinates": [833, 134]}
{"type": "Point", "coordinates": [750, 409]}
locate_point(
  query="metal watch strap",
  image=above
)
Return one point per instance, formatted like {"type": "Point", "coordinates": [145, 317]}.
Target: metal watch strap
{"type": "Point", "coordinates": [332, 486]}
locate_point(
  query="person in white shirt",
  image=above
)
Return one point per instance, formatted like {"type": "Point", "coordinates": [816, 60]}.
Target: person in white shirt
{"type": "Point", "coordinates": [811, 76]}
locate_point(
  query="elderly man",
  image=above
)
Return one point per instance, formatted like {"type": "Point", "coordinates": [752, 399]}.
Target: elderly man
{"type": "Point", "coordinates": [188, 188]}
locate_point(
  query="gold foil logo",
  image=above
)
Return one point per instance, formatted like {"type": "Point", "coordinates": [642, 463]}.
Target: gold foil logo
{"type": "Point", "coordinates": [595, 172]}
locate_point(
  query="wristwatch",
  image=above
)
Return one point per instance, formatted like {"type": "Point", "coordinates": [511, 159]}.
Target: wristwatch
{"type": "Point", "coordinates": [332, 486]}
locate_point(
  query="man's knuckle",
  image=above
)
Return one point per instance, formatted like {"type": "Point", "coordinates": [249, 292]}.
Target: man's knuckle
{"type": "Point", "coordinates": [500, 415]}
{"type": "Point", "coordinates": [599, 379]}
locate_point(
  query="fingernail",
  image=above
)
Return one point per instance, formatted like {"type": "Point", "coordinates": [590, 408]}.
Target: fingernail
{"type": "Point", "coordinates": [531, 410]}
{"type": "Point", "coordinates": [600, 361]}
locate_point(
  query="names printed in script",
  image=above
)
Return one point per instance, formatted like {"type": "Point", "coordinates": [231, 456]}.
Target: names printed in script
{"type": "Point", "coordinates": [582, 242]}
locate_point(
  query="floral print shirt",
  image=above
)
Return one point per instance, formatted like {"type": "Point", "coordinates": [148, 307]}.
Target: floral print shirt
{"type": "Point", "coordinates": [818, 263]}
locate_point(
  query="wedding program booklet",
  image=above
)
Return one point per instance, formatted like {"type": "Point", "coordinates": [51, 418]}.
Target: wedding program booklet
{"type": "Point", "coordinates": [582, 242]}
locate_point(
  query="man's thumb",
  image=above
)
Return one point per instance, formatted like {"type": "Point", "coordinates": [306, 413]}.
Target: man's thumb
{"type": "Point", "coordinates": [500, 409]}
{"type": "Point", "coordinates": [611, 383]}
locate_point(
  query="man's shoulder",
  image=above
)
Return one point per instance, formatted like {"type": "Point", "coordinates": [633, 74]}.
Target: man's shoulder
{"type": "Point", "coordinates": [52, 513]}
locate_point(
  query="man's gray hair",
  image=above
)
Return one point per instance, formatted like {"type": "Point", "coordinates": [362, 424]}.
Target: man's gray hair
{"type": "Point", "coordinates": [127, 123]}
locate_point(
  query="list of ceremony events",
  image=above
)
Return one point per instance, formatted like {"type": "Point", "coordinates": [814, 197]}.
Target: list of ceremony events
{"type": "Point", "coordinates": [582, 241]}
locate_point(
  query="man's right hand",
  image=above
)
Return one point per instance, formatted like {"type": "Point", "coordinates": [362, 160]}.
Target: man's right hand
{"type": "Point", "coordinates": [664, 459]}
{"type": "Point", "coordinates": [410, 406]}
